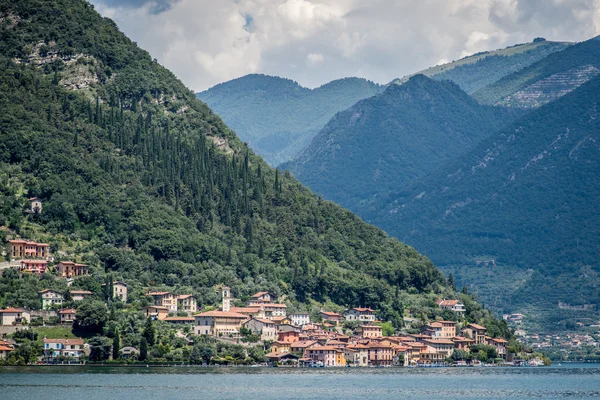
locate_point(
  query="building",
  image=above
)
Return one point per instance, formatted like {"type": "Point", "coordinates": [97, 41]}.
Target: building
{"type": "Point", "coordinates": [250, 312]}
{"type": "Point", "coordinates": [462, 343]}
{"type": "Point", "coordinates": [219, 323]}
{"type": "Point", "coordinates": [265, 328]}
{"type": "Point", "coordinates": [330, 316]}
{"type": "Point", "coordinates": [444, 346]}
{"type": "Point", "coordinates": [274, 310]}
{"type": "Point", "coordinates": [369, 331]}
{"type": "Point", "coordinates": [19, 249]}
{"type": "Point", "coordinates": [5, 351]}
{"type": "Point", "coordinates": [156, 312]}
{"type": "Point", "coordinates": [475, 332]}
{"type": "Point", "coordinates": [429, 355]}
{"type": "Point", "coordinates": [187, 303]}
{"type": "Point", "coordinates": [14, 316]}
{"type": "Point", "coordinates": [440, 329]}
{"type": "Point", "coordinates": [328, 356]}
{"type": "Point", "coordinates": [165, 299]}
{"type": "Point", "coordinates": [70, 269]}
{"type": "Point", "coordinates": [49, 298]}
{"type": "Point", "coordinates": [380, 354]}
{"type": "Point", "coordinates": [37, 267]}
{"type": "Point", "coordinates": [129, 352]}
{"type": "Point", "coordinates": [500, 345]}
{"type": "Point", "coordinates": [35, 205]}
{"type": "Point", "coordinates": [452, 305]}
{"type": "Point", "coordinates": [180, 320]}
{"type": "Point", "coordinates": [278, 347]}
{"type": "Point", "coordinates": [58, 350]}
{"type": "Point", "coordinates": [67, 315]}
{"type": "Point", "coordinates": [361, 314]}
{"type": "Point", "coordinates": [300, 319]}
{"type": "Point", "coordinates": [120, 291]}
{"type": "Point", "coordinates": [260, 298]}
{"type": "Point", "coordinates": [78, 295]}
{"type": "Point", "coordinates": [357, 355]}
{"type": "Point", "coordinates": [289, 336]}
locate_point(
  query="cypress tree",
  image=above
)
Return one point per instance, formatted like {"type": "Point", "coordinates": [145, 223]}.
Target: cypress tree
{"type": "Point", "coordinates": [149, 333]}
{"type": "Point", "coordinates": [116, 345]}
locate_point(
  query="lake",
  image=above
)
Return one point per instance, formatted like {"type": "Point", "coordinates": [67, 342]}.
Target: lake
{"type": "Point", "coordinates": [572, 381]}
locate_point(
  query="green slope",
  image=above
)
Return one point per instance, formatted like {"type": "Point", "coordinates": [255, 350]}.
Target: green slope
{"type": "Point", "coordinates": [276, 116]}
{"type": "Point", "coordinates": [143, 180]}
{"type": "Point", "coordinates": [547, 79]}
{"type": "Point", "coordinates": [483, 69]}
{"type": "Point", "coordinates": [386, 141]}
{"type": "Point", "coordinates": [524, 197]}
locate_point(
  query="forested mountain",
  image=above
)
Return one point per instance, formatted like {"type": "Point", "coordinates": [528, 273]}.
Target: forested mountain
{"type": "Point", "coordinates": [141, 179]}
{"type": "Point", "coordinates": [547, 79]}
{"type": "Point", "coordinates": [277, 117]}
{"type": "Point", "coordinates": [483, 69]}
{"type": "Point", "coordinates": [525, 197]}
{"type": "Point", "coordinates": [384, 142]}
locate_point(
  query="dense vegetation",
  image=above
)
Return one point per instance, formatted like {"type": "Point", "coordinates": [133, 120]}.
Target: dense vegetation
{"type": "Point", "coordinates": [582, 54]}
{"type": "Point", "coordinates": [524, 197]}
{"type": "Point", "coordinates": [384, 142]}
{"type": "Point", "coordinates": [141, 180]}
{"type": "Point", "coordinates": [483, 69]}
{"type": "Point", "coordinates": [276, 116]}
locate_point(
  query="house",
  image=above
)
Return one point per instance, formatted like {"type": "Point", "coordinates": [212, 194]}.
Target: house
{"type": "Point", "coordinates": [70, 269]}
{"type": "Point", "coordinates": [187, 303]}
{"type": "Point", "coordinates": [278, 321]}
{"type": "Point", "coordinates": [380, 354]}
{"type": "Point", "coordinates": [475, 332]}
{"type": "Point", "coordinates": [430, 355]}
{"type": "Point", "coordinates": [273, 310]}
{"type": "Point", "coordinates": [49, 298]}
{"type": "Point", "coordinates": [250, 312]}
{"type": "Point", "coordinates": [78, 295]}
{"type": "Point", "coordinates": [180, 320]}
{"type": "Point", "coordinates": [443, 346]}
{"type": "Point", "coordinates": [5, 351]}
{"type": "Point", "coordinates": [300, 319]}
{"type": "Point", "coordinates": [278, 347]}
{"type": "Point", "coordinates": [330, 316]}
{"type": "Point", "coordinates": [129, 352]}
{"type": "Point", "coordinates": [262, 327]}
{"type": "Point", "coordinates": [402, 355]}
{"type": "Point", "coordinates": [67, 315]}
{"type": "Point", "coordinates": [260, 298]}
{"type": "Point", "coordinates": [462, 343]}
{"type": "Point", "coordinates": [452, 305]}
{"type": "Point", "coordinates": [282, 357]}
{"type": "Point", "coordinates": [289, 336]}
{"type": "Point", "coordinates": [165, 299]}
{"type": "Point", "coordinates": [369, 331]}
{"type": "Point", "coordinates": [37, 267]}
{"type": "Point", "coordinates": [500, 345]}
{"type": "Point", "coordinates": [156, 312]}
{"type": "Point", "coordinates": [35, 205]}
{"type": "Point", "coordinates": [14, 316]}
{"type": "Point", "coordinates": [219, 323]}
{"type": "Point", "coordinates": [328, 356]}
{"type": "Point", "coordinates": [120, 291]}
{"type": "Point", "coordinates": [440, 329]}
{"type": "Point", "coordinates": [301, 346]}
{"type": "Point", "coordinates": [357, 355]}
{"type": "Point", "coordinates": [57, 350]}
{"type": "Point", "coordinates": [19, 249]}
{"type": "Point", "coordinates": [361, 314]}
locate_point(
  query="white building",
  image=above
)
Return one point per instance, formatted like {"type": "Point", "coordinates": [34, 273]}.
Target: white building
{"type": "Point", "coordinates": [299, 319]}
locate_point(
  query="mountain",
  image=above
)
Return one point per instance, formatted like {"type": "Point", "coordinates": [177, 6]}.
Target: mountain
{"type": "Point", "coordinates": [141, 180]}
{"type": "Point", "coordinates": [547, 79]}
{"type": "Point", "coordinates": [480, 70]}
{"type": "Point", "coordinates": [277, 117]}
{"type": "Point", "coordinates": [517, 215]}
{"type": "Point", "coordinates": [384, 142]}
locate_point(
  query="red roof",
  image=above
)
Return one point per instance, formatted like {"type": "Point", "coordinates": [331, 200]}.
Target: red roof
{"type": "Point", "coordinates": [477, 327]}
{"type": "Point", "coordinates": [449, 303]}
{"type": "Point", "coordinates": [363, 309]}
{"type": "Point", "coordinates": [12, 309]}
{"type": "Point", "coordinates": [5, 348]}
{"type": "Point", "coordinates": [64, 341]}
{"type": "Point", "coordinates": [222, 314]}
{"type": "Point", "coordinates": [330, 314]}
{"type": "Point", "coordinates": [67, 311]}
{"type": "Point", "coordinates": [259, 294]}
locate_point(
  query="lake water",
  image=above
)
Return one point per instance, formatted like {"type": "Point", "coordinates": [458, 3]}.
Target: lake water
{"type": "Point", "coordinates": [574, 381]}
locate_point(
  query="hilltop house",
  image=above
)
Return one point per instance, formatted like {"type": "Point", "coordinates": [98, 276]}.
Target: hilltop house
{"type": "Point", "coordinates": [156, 312]}
{"type": "Point", "coordinates": [361, 314]}
{"type": "Point", "coordinates": [78, 295]}
{"type": "Point", "coordinates": [35, 205]}
{"type": "Point", "coordinates": [260, 298]}
{"type": "Point", "coordinates": [19, 249]}
{"type": "Point", "coordinates": [67, 315]}
{"type": "Point", "coordinates": [452, 305]}
{"type": "Point", "coordinates": [475, 332]}
{"type": "Point", "coordinates": [37, 267]}
{"type": "Point", "coordinates": [49, 298]}
{"type": "Point", "coordinates": [165, 299]}
{"type": "Point", "coordinates": [70, 269]}
{"type": "Point", "coordinates": [14, 316]}
{"type": "Point", "coordinates": [187, 303]}
{"type": "Point", "coordinates": [330, 316]}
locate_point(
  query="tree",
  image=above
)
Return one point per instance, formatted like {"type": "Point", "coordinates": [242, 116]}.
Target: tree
{"type": "Point", "coordinates": [91, 316]}
{"type": "Point", "coordinates": [149, 333]}
{"type": "Point", "coordinates": [100, 347]}
{"type": "Point", "coordinates": [143, 349]}
{"type": "Point", "coordinates": [451, 281]}
{"type": "Point", "coordinates": [116, 345]}
{"type": "Point", "coordinates": [387, 328]}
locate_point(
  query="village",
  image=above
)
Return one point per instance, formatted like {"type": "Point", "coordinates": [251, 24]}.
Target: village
{"type": "Point", "coordinates": [354, 338]}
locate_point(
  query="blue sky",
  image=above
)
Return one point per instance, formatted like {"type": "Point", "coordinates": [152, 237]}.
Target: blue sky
{"type": "Point", "coordinates": [205, 42]}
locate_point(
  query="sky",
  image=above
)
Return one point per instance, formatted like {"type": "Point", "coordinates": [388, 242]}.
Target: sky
{"type": "Point", "coordinates": [206, 42]}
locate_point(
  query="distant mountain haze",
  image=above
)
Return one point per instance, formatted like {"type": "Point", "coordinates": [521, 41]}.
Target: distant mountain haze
{"type": "Point", "coordinates": [277, 117]}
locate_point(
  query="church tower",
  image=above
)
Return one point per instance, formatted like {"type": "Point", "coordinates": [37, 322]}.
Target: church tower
{"type": "Point", "coordinates": [226, 293]}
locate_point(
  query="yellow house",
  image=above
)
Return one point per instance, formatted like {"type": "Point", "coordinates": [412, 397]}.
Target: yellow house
{"type": "Point", "coordinates": [219, 323]}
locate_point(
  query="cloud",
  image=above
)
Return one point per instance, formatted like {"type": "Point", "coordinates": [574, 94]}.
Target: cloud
{"type": "Point", "coordinates": [206, 42]}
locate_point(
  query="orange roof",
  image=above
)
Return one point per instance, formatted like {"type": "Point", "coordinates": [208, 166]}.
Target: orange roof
{"type": "Point", "coordinates": [370, 326]}
{"type": "Point", "coordinates": [190, 319]}
{"type": "Point", "coordinates": [448, 302]}
{"type": "Point", "coordinates": [16, 241]}
{"type": "Point", "coordinates": [5, 348]}
{"type": "Point", "coordinates": [12, 309]}
{"type": "Point", "coordinates": [64, 341]}
{"type": "Point", "coordinates": [158, 293]}
{"type": "Point", "coordinates": [275, 305]}
{"type": "Point", "coordinates": [184, 296]}
{"type": "Point", "coordinates": [330, 313]}
{"type": "Point", "coordinates": [67, 311]}
{"type": "Point", "coordinates": [259, 294]}
{"type": "Point", "coordinates": [80, 292]}
{"type": "Point", "coordinates": [244, 309]}
{"type": "Point", "coordinates": [435, 325]}
{"type": "Point", "coordinates": [363, 309]}
{"type": "Point", "coordinates": [318, 348]}
{"type": "Point", "coordinates": [447, 322]}
{"type": "Point", "coordinates": [49, 290]}
{"type": "Point", "coordinates": [462, 339]}
{"type": "Point", "coordinates": [222, 314]}
{"type": "Point", "coordinates": [375, 345]}
{"type": "Point", "coordinates": [34, 262]}
{"type": "Point", "coordinates": [477, 327]}
{"type": "Point", "coordinates": [499, 340]}
{"type": "Point", "coordinates": [303, 344]}
{"type": "Point", "coordinates": [439, 341]}
{"type": "Point", "coordinates": [357, 346]}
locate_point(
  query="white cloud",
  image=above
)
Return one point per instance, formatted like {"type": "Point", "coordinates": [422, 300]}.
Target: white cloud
{"type": "Point", "coordinates": [206, 42]}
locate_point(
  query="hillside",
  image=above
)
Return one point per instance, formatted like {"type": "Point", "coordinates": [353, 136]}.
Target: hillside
{"type": "Point", "coordinates": [524, 201]}
{"type": "Point", "coordinates": [141, 180]}
{"type": "Point", "coordinates": [480, 70]}
{"type": "Point", "coordinates": [277, 117]}
{"type": "Point", "coordinates": [384, 142]}
{"type": "Point", "coordinates": [547, 79]}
